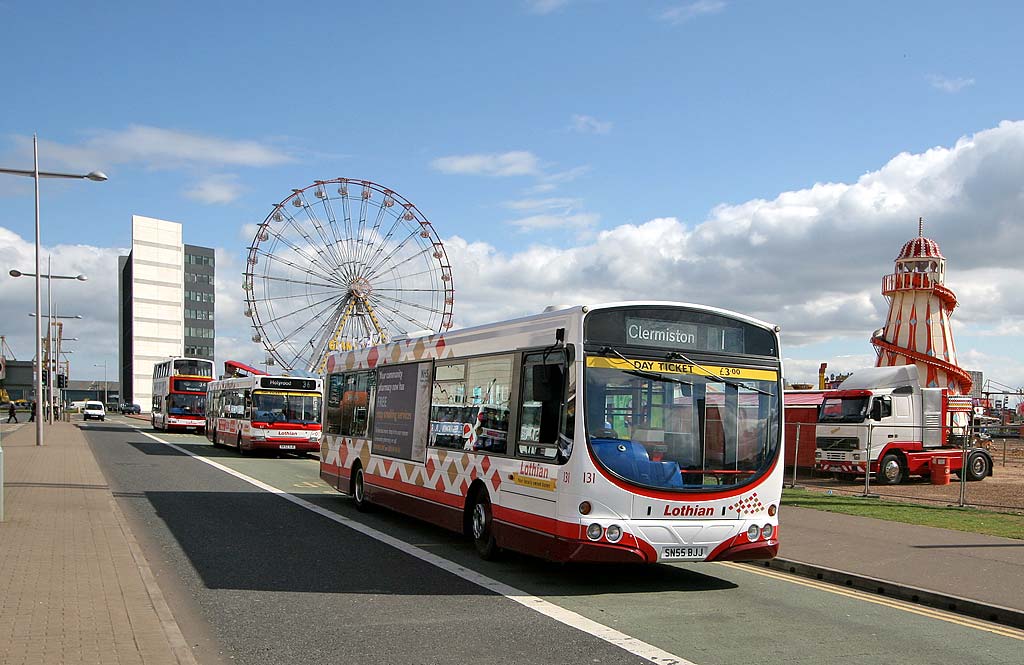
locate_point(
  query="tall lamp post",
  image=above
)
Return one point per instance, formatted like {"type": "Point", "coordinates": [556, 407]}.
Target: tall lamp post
{"type": "Point", "coordinates": [104, 366]}
{"type": "Point", "coordinates": [52, 354]}
{"type": "Point", "coordinates": [36, 174]}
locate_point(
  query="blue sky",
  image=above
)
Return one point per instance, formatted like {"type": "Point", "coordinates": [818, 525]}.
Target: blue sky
{"type": "Point", "coordinates": [536, 133]}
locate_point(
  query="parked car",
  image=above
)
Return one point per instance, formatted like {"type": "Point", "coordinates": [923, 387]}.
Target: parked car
{"type": "Point", "coordinates": [131, 408]}
{"type": "Point", "coordinates": [94, 410]}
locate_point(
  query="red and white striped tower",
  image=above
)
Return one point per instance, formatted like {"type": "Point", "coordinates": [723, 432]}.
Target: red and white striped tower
{"type": "Point", "coordinates": [918, 329]}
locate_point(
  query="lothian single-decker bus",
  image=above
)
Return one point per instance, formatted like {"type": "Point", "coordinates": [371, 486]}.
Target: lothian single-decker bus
{"type": "Point", "coordinates": [624, 432]}
{"type": "Point", "coordinates": [271, 413]}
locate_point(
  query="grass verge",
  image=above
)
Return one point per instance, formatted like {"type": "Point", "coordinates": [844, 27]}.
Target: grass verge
{"type": "Point", "coordinates": [971, 520]}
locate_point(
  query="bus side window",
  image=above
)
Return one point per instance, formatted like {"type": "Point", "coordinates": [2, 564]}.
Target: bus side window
{"type": "Point", "coordinates": [332, 414]}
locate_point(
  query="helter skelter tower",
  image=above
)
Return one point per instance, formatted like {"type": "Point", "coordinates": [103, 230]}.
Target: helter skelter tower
{"type": "Point", "coordinates": [917, 330]}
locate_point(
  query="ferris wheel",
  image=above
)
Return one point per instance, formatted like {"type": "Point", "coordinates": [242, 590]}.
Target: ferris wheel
{"type": "Point", "coordinates": [342, 264]}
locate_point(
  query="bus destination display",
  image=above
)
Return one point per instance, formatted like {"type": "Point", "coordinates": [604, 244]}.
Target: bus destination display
{"type": "Point", "coordinates": [189, 386]}
{"type": "Point", "coordinates": [679, 335]}
{"type": "Point", "coordinates": [287, 383]}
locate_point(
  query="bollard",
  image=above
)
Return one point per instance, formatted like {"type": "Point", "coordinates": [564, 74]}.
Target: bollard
{"type": "Point", "coordinates": [796, 456]}
{"type": "Point", "coordinates": [867, 466]}
{"type": "Point", "coordinates": [1, 483]}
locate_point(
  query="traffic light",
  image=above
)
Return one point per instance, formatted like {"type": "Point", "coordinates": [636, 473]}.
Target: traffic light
{"type": "Point", "coordinates": [62, 380]}
{"type": "Point", "coordinates": [46, 378]}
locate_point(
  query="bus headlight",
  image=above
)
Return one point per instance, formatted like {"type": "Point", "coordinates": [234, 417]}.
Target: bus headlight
{"type": "Point", "coordinates": [258, 435]}
{"type": "Point", "coordinates": [613, 533]}
{"type": "Point", "coordinates": [753, 531]}
{"type": "Point", "coordinates": [766, 531]}
{"type": "Point", "coordinates": [594, 531]}
{"type": "Point", "coordinates": [856, 457]}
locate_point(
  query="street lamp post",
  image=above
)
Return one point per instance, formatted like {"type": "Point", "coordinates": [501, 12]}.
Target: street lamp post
{"type": "Point", "coordinates": [104, 365]}
{"type": "Point", "coordinates": [53, 355]}
{"type": "Point", "coordinates": [36, 174]}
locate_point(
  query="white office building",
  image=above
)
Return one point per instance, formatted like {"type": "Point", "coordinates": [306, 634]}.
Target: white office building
{"type": "Point", "coordinates": [166, 294]}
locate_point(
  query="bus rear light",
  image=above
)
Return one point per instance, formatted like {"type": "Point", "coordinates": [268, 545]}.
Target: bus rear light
{"type": "Point", "coordinates": [753, 532]}
{"type": "Point", "coordinates": [613, 533]}
{"type": "Point", "coordinates": [594, 531]}
{"type": "Point", "coordinates": [767, 531]}
{"type": "Point", "coordinates": [584, 508]}
{"type": "Point", "coordinates": [772, 509]}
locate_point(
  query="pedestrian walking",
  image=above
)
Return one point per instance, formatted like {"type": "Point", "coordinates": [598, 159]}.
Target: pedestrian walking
{"type": "Point", "coordinates": [12, 414]}
{"type": "Point", "coordinates": [32, 413]}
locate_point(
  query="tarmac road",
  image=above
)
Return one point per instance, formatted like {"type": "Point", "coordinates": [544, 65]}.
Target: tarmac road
{"type": "Point", "coordinates": [253, 578]}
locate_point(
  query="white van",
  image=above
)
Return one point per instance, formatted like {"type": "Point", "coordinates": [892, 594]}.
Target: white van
{"type": "Point", "coordinates": [94, 410]}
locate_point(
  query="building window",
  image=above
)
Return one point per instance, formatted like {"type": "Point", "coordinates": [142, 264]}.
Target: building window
{"type": "Point", "coordinates": [199, 351]}
{"type": "Point", "coordinates": [191, 331]}
{"type": "Point", "coordinates": [193, 278]}
{"type": "Point", "coordinates": [196, 260]}
{"type": "Point", "coordinates": [198, 296]}
{"type": "Point", "coordinates": [199, 314]}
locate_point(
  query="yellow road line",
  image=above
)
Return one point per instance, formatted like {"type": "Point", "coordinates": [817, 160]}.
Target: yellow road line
{"type": "Point", "coordinates": [902, 605]}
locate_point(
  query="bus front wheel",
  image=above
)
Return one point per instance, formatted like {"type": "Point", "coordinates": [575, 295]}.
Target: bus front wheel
{"type": "Point", "coordinates": [482, 527]}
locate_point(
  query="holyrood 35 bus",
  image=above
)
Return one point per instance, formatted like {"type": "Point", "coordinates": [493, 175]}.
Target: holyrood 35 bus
{"type": "Point", "coordinates": [179, 393]}
{"type": "Point", "coordinates": [673, 454]}
{"type": "Point", "coordinates": [278, 413]}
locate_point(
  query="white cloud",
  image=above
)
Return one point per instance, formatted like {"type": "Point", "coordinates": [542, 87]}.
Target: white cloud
{"type": "Point", "coordinates": [155, 148]}
{"type": "Point", "coordinates": [950, 85]}
{"type": "Point", "coordinates": [545, 6]}
{"type": "Point", "coordinates": [564, 221]}
{"type": "Point", "coordinates": [555, 203]}
{"type": "Point", "coordinates": [588, 124]}
{"type": "Point", "coordinates": [95, 300]}
{"type": "Point", "coordinates": [216, 189]}
{"type": "Point", "coordinates": [691, 10]}
{"type": "Point", "coordinates": [810, 260]}
{"type": "Point", "coordinates": [513, 163]}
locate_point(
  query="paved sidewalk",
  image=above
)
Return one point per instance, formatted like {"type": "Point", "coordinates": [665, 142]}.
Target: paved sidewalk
{"type": "Point", "coordinates": [978, 575]}
{"type": "Point", "coordinates": [74, 586]}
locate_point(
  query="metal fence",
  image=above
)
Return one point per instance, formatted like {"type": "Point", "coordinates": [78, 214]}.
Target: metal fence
{"type": "Point", "coordinates": [1003, 491]}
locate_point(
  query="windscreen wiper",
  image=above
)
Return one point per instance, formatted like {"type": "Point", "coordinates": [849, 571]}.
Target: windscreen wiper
{"type": "Point", "coordinates": [675, 355]}
{"type": "Point", "coordinates": [643, 374]}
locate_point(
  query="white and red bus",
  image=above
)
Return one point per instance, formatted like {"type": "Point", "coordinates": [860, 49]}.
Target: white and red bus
{"type": "Point", "coordinates": [637, 431]}
{"type": "Point", "coordinates": [179, 393]}
{"type": "Point", "coordinates": [276, 413]}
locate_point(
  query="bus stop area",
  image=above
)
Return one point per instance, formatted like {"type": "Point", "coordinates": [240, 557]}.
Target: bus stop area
{"type": "Point", "coordinates": [74, 586]}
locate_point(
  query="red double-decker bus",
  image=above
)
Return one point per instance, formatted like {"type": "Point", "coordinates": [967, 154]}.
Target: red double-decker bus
{"type": "Point", "coordinates": [179, 393]}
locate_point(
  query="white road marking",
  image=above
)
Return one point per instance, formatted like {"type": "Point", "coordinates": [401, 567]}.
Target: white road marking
{"type": "Point", "coordinates": [568, 617]}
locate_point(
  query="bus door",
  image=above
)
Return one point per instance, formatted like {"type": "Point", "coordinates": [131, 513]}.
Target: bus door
{"type": "Point", "coordinates": [541, 442]}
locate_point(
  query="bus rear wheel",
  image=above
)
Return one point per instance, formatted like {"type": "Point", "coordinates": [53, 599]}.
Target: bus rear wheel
{"type": "Point", "coordinates": [359, 490]}
{"type": "Point", "coordinates": [482, 527]}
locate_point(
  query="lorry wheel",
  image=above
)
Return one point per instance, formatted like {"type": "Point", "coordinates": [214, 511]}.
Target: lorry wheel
{"type": "Point", "coordinates": [978, 466]}
{"type": "Point", "coordinates": [890, 470]}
